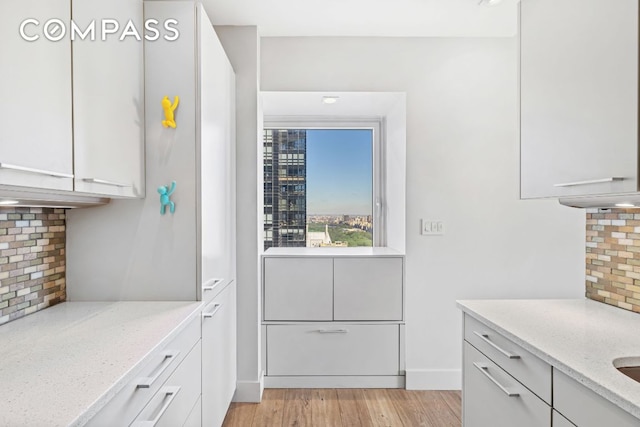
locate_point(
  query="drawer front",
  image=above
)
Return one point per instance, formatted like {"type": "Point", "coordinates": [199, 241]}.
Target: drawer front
{"type": "Point", "coordinates": [298, 289]}
{"type": "Point", "coordinates": [368, 288]}
{"type": "Point", "coordinates": [557, 420]}
{"type": "Point", "coordinates": [584, 407]}
{"type": "Point", "coordinates": [522, 365]}
{"type": "Point", "coordinates": [486, 401]}
{"type": "Point", "coordinates": [172, 405]}
{"type": "Point", "coordinates": [330, 349]}
{"type": "Point", "coordinates": [128, 403]}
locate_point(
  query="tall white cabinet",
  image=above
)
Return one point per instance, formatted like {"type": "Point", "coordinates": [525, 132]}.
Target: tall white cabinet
{"type": "Point", "coordinates": [579, 97]}
{"type": "Point", "coordinates": [129, 250]}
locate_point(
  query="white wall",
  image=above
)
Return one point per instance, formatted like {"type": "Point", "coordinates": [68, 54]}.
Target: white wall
{"type": "Point", "coordinates": [242, 45]}
{"type": "Point", "coordinates": [462, 168]}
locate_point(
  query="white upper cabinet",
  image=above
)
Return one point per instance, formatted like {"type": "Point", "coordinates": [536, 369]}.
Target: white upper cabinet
{"type": "Point", "coordinates": [579, 97]}
{"type": "Point", "coordinates": [35, 112]}
{"type": "Point", "coordinates": [108, 99]}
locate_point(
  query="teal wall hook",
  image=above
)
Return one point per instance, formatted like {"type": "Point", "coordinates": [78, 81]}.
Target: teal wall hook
{"type": "Point", "coordinates": [165, 198]}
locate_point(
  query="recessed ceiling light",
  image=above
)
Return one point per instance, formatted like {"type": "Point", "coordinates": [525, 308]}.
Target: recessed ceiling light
{"type": "Point", "coordinates": [625, 205]}
{"type": "Point", "coordinates": [330, 99]}
{"type": "Point", "coordinates": [488, 2]}
{"type": "Point", "coordinates": [9, 202]}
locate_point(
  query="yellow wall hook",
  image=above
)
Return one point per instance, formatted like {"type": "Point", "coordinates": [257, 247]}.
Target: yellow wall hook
{"type": "Point", "coordinates": [169, 118]}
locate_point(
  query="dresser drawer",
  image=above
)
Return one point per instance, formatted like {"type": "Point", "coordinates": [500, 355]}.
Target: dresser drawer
{"type": "Point", "coordinates": [174, 402]}
{"type": "Point", "coordinates": [129, 401]}
{"type": "Point", "coordinates": [492, 397]}
{"type": "Point", "coordinates": [584, 407]}
{"type": "Point", "coordinates": [333, 349]}
{"type": "Point", "coordinates": [534, 373]}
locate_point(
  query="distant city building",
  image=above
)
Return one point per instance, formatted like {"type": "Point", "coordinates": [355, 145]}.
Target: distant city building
{"type": "Point", "coordinates": [285, 182]}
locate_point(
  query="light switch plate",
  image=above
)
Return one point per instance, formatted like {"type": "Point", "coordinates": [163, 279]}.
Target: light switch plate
{"type": "Point", "coordinates": [431, 228]}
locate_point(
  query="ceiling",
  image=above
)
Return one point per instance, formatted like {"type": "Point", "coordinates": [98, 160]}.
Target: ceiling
{"type": "Point", "coordinates": [350, 104]}
{"type": "Point", "coordinates": [384, 18]}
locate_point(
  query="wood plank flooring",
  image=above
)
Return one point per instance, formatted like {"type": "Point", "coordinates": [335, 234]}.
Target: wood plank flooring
{"type": "Point", "coordinates": [348, 408]}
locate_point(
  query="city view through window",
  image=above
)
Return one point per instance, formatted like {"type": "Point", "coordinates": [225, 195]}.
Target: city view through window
{"type": "Point", "coordinates": [318, 187]}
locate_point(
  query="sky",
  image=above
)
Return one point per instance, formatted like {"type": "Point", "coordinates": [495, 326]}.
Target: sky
{"type": "Point", "coordinates": [339, 172]}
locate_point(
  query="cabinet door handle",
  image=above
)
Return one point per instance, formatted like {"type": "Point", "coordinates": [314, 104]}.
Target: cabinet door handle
{"type": "Point", "coordinates": [209, 315]}
{"type": "Point", "coordinates": [485, 337]}
{"type": "Point", "coordinates": [147, 382]}
{"type": "Point", "coordinates": [35, 171]}
{"type": "Point", "coordinates": [104, 182]}
{"type": "Point", "coordinates": [332, 331]}
{"type": "Point", "coordinates": [169, 394]}
{"type": "Point", "coordinates": [485, 370]}
{"type": "Point", "coordinates": [589, 182]}
{"type": "Point", "coordinates": [210, 284]}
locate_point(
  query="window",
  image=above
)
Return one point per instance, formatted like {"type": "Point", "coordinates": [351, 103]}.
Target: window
{"type": "Point", "coordinates": [322, 185]}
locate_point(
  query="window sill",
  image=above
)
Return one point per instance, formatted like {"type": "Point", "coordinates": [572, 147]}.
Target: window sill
{"type": "Point", "coordinates": [333, 252]}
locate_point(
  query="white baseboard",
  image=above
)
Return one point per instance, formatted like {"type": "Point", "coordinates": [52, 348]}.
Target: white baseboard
{"type": "Point", "coordinates": [434, 379]}
{"type": "Point", "coordinates": [249, 391]}
{"type": "Point", "coordinates": [335, 382]}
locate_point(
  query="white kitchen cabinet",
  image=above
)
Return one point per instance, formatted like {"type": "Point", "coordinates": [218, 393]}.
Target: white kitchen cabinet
{"type": "Point", "coordinates": [35, 112]}
{"type": "Point", "coordinates": [585, 408]}
{"type": "Point", "coordinates": [367, 288]}
{"type": "Point", "coordinates": [327, 349]}
{"type": "Point", "coordinates": [108, 101]}
{"type": "Point", "coordinates": [127, 404]}
{"type": "Point", "coordinates": [557, 420]}
{"type": "Point", "coordinates": [218, 356]}
{"type": "Point", "coordinates": [579, 97]}
{"type": "Point", "coordinates": [492, 397]}
{"type": "Point", "coordinates": [172, 256]}
{"type": "Point", "coordinates": [298, 289]}
{"type": "Point", "coordinates": [172, 405]}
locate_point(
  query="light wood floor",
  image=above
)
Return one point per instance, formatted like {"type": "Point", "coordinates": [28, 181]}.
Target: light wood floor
{"type": "Point", "coordinates": [348, 408]}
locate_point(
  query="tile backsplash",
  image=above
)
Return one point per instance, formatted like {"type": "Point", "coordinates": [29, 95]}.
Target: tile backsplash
{"type": "Point", "coordinates": [32, 260]}
{"type": "Point", "coordinates": [613, 257]}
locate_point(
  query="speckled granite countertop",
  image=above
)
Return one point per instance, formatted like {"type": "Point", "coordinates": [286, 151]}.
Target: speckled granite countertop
{"type": "Point", "coordinates": [60, 366]}
{"type": "Point", "coordinates": [578, 337]}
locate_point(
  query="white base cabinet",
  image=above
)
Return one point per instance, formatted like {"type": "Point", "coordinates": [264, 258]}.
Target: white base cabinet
{"type": "Point", "coordinates": [218, 356]}
{"type": "Point", "coordinates": [333, 320]}
{"type": "Point", "coordinates": [494, 398]}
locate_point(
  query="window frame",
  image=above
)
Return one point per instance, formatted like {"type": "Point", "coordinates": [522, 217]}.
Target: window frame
{"type": "Point", "coordinates": [377, 125]}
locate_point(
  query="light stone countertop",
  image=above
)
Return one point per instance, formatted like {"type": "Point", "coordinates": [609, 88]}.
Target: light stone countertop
{"type": "Point", "coordinates": [332, 252]}
{"type": "Point", "coordinates": [60, 366]}
{"type": "Point", "coordinates": [578, 337]}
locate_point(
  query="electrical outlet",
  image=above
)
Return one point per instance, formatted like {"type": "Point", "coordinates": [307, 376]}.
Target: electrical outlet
{"type": "Point", "coordinates": [432, 228]}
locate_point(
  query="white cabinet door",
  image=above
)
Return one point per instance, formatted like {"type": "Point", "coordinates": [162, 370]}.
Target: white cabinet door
{"type": "Point", "coordinates": [579, 97]}
{"type": "Point", "coordinates": [298, 288]}
{"type": "Point", "coordinates": [218, 356]}
{"type": "Point", "coordinates": [35, 112]}
{"type": "Point", "coordinates": [584, 407]}
{"type": "Point", "coordinates": [557, 420]}
{"type": "Point", "coordinates": [216, 149]}
{"type": "Point", "coordinates": [108, 101]}
{"type": "Point", "coordinates": [368, 288]}
{"type": "Point", "coordinates": [491, 397]}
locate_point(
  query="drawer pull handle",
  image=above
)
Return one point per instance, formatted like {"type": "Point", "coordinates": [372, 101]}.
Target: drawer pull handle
{"type": "Point", "coordinates": [210, 284]}
{"type": "Point", "coordinates": [147, 382]}
{"type": "Point", "coordinates": [333, 331]}
{"type": "Point", "coordinates": [485, 370]}
{"type": "Point", "coordinates": [104, 182]}
{"type": "Point", "coordinates": [485, 338]}
{"type": "Point", "coordinates": [169, 394]}
{"type": "Point", "coordinates": [35, 171]}
{"type": "Point", "coordinates": [209, 315]}
{"type": "Point", "coordinates": [589, 182]}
